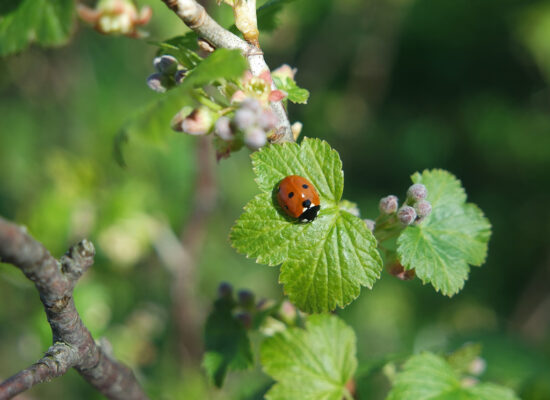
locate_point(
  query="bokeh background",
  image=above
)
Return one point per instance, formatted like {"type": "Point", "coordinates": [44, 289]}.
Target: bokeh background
{"type": "Point", "coordinates": [397, 86]}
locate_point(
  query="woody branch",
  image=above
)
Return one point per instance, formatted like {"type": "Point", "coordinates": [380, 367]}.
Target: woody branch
{"type": "Point", "coordinates": [74, 346]}
{"type": "Point", "coordinates": [196, 18]}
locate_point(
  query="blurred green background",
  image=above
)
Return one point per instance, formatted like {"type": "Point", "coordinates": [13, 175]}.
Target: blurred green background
{"type": "Point", "coordinates": [396, 86]}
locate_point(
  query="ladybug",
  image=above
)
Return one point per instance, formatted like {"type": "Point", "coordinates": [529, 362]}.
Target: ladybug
{"type": "Point", "coordinates": [298, 198]}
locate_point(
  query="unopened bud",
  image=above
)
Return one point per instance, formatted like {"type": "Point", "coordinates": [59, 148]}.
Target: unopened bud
{"type": "Point", "coordinates": [225, 290]}
{"type": "Point", "coordinates": [180, 75]}
{"type": "Point", "coordinates": [406, 215]}
{"type": "Point", "coordinates": [285, 71]}
{"type": "Point", "coordinates": [400, 272]}
{"type": "Point", "coordinates": [205, 45]}
{"type": "Point", "coordinates": [288, 312]}
{"type": "Point", "coordinates": [222, 128]}
{"type": "Point", "coordinates": [246, 298]}
{"type": "Point", "coordinates": [423, 208]}
{"type": "Point", "coordinates": [252, 104]}
{"type": "Point", "coordinates": [477, 366]}
{"type": "Point", "coordinates": [245, 318]}
{"type": "Point", "coordinates": [245, 118]}
{"type": "Point", "coordinates": [179, 117]}
{"type": "Point", "coordinates": [370, 224]}
{"type": "Point", "coordinates": [388, 204]}
{"type": "Point", "coordinates": [255, 138]}
{"type": "Point", "coordinates": [199, 122]}
{"type": "Point", "coordinates": [156, 82]}
{"type": "Point", "coordinates": [165, 64]}
{"type": "Point", "coordinates": [417, 192]}
{"type": "Point", "coordinates": [267, 120]}
{"type": "Point", "coordinates": [296, 129]}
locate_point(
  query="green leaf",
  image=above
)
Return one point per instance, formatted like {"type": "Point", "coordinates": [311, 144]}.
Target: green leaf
{"type": "Point", "coordinates": [184, 48]}
{"type": "Point", "coordinates": [311, 364]}
{"type": "Point", "coordinates": [227, 346]}
{"type": "Point", "coordinates": [325, 262]}
{"type": "Point", "coordinates": [151, 123]}
{"type": "Point", "coordinates": [454, 235]}
{"type": "Point", "coordinates": [46, 22]}
{"type": "Point", "coordinates": [427, 376]}
{"type": "Point", "coordinates": [221, 64]}
{"type": "Point", "coordinates": [295, 94]}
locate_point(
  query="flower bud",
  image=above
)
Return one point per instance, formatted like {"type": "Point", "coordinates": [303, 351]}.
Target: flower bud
{"type": "Point", "coordinates": [267, 120]}
{"type": "Point", "coordinates": [156, 82]}
{"type": "Point", "coordinates": [252, 104]}
{"type": "Point", "coordinates": [245, 318]}
{"type": "Point", "coordinates": [285, 71]}
{"type": "Point", "coordinates": [388, 204]}
{"type": "Point", "coordinates": [222, 128]}
{"type": "Point", "coordinates": [245, 118]}
{"type": "Point", "coordinates": [165, 64]}
{"type": "Point", "coordinates": [199, 122]}
{"type": "Point", "coordinates": [477, 366]}
{"type": "Point", "coordinates": [370, 224]}
{"type": "Point", "coordinates": [246, 298]}
{"type": "Point", "coordinates": [296, 129]}
{"type": "Point", "coordinates": [400, 272]}
{"type": "Point", "coordinates": [417, 192]}
{"type": "Point", "coordinates": [255, 138]}
{"type": "Point", "coordinates": [225, 290]}
{"type": "Point", "coordinates": [406, 215]}
{"type": "Point", "coordinates": [423, 208]}
{"type": "Point", "coordinates": [180, 75]}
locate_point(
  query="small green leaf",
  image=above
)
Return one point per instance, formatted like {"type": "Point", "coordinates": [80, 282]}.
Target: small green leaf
{"type": "Point", "coordinates": [311, 364]}
{"type": "Point", "coordinates": [184, 48]}
{"type": "Point", "coordinates": [227, 346]}
{"type": "Point", "coordinates": [454, 235]}
{"type": "Point", "coordinates": [46, 22]}
{"type": "Point", "coordinates": [427, 376]}
{"type": "Point", "coordinates": [221, 64]}
{"type": "Point", "coordinates": [295, 94]}
{"type": "Point", "coordinates": [324, 263]}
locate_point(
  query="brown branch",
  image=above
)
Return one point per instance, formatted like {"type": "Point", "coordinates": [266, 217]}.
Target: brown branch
{"type": "Point", "coordinates": [74, 346]}
{"type": "Point", "coordinates": [196, 18]}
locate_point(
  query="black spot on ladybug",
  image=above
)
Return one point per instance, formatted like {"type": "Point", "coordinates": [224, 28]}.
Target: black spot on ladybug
{"type": "Point", "coordinates": [291, 195]}
{"type": "Point", "coordinates": [306, 203]}
{"type": "Point", "coordinates": [305, 186]}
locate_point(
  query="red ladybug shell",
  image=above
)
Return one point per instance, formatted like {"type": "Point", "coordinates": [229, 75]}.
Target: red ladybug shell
{"type": "Point", "coordinates": [298, 198]}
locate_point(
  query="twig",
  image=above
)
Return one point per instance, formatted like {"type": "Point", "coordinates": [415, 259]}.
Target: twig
{"type": "Point", "coordinates": [195, 17]}
{"type": "Point", "coordinates": [74, 346]}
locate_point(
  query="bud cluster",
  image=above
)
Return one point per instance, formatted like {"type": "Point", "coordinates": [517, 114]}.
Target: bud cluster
{"type": "Point", "coordinates": [244, 306]}
{"type": "Point", "coordinates": [116, 17]}
{"type": "Point", "coordinates": [170, 73]}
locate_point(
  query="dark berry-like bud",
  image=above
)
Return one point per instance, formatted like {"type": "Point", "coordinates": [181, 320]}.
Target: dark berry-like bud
{"type": "Point", "coordinates": [406, 215]}
{"type": "Point", "coordinates": [180, 75]}
{"type": "Point", "coordinates": [222, 128]}
{"type": "Point", "coordinates": [388, 204]}
{"type": "Point", "coordinates": [245, 318]}
{"type": "Point", "coordinates": [417, 192]}
{"type": "Point", "coordinates": [225, 290]}
{"type": "Point", "coordinates": [255, 138]}
{"type": "Point", "coordinates": [246, 298]}
{"type": "Point", "coordinates": [370, 224]}
{"type": "Point", "coordinates": [245, 118]}
{"type": "Point", "coordinates": [423, 208]}
{"type": "Point", "coordinates": [165, 64]}
{"type": "Point", "coordinates": [156, 82]}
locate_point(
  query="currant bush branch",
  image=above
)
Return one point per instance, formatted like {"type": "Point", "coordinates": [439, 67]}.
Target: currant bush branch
{"type": "Point", "coordinates": [74, 346]}
{"type": "Point", "coordinates": [196, 18]}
